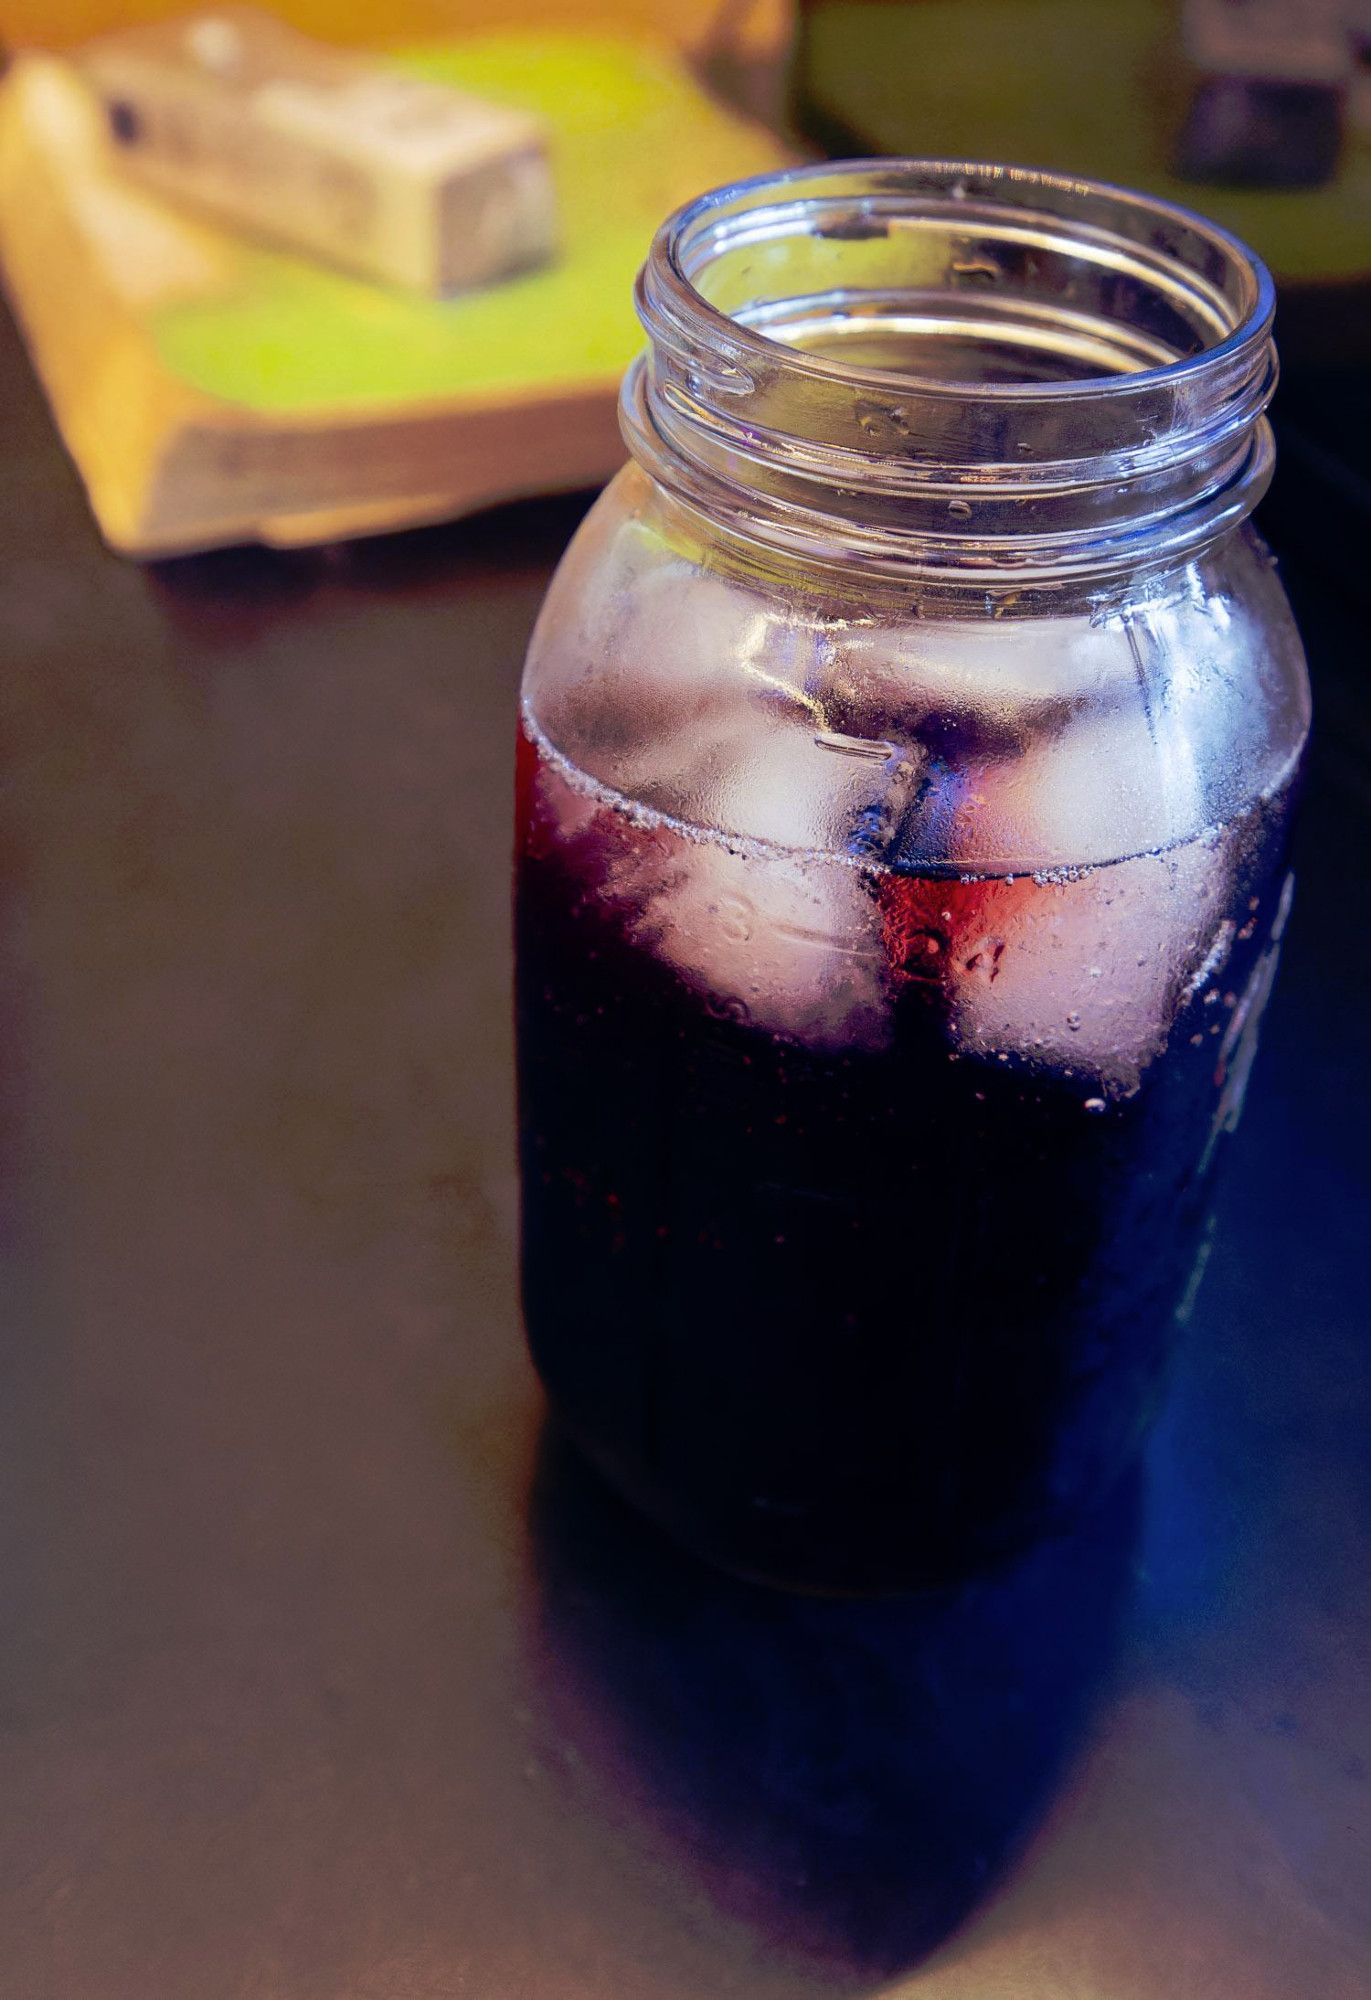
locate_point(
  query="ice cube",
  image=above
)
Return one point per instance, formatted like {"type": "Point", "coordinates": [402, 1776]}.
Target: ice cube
{"type": "Point", "coordinates": [1088, 969]}
{"type": "Point", "coordinates": [777, 934]}
{"type": "Point", "coordinates": [791, 943]}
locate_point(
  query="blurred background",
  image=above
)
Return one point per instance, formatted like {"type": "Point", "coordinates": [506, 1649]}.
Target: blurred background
{"type": "Point", "coordinates": [1256, 111]}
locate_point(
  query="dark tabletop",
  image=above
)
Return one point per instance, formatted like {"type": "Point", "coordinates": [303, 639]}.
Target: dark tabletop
{"type": "Point", "coordinates": [323, 1676]}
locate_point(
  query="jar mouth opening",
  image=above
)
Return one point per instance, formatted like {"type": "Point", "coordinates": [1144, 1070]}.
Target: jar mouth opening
{"type": "Point", "coordinates": [1093, 290]}
{"type": "Point", "coordinates": [1079, 383]}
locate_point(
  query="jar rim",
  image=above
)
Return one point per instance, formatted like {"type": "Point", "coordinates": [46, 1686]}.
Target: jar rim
{"type": "Point", "coordinates": [1073, 465]}
{"type": "Point", "coordinates": [1252, 327]}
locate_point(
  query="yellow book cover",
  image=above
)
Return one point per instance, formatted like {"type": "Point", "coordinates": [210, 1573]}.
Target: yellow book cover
{"type": "Point", "coordinates": [212, 389]}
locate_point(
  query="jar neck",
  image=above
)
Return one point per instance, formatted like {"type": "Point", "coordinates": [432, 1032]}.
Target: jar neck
{"type": "Point", "coordinates": [970, 373]}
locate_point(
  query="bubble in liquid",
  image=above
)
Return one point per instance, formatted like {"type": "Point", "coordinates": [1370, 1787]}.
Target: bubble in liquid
{"type": "Point", "coordinates": [735, 916]}
{"type": "Point", "coordinates": [728, 1007]}
{"type": "Point", "coordinates": [1095, 1105]}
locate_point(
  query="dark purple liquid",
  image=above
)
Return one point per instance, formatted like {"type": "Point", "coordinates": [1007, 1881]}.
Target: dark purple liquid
{"type": "Point", "coordinates": [851, 1317]}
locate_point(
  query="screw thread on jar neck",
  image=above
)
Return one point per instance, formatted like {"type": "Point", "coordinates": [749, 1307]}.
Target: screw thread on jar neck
{"type": "Point", "coordinates": [974, 373]}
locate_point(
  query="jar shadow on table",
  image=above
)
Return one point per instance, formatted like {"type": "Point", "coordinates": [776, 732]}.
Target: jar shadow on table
{"type": "Point", "coordinates": [847, 1778]}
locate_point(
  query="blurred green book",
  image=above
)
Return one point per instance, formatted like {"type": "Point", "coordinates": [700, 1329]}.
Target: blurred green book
{"type": "Point", "coordinates": [213, 390]}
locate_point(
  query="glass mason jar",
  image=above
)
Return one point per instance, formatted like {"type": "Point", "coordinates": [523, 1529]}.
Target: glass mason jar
{"type": "Point", "coordinates": [907, 749]}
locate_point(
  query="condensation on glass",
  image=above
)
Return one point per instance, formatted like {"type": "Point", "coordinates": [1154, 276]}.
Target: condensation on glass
{"type": "Point", "coordinates": [907, 748]}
